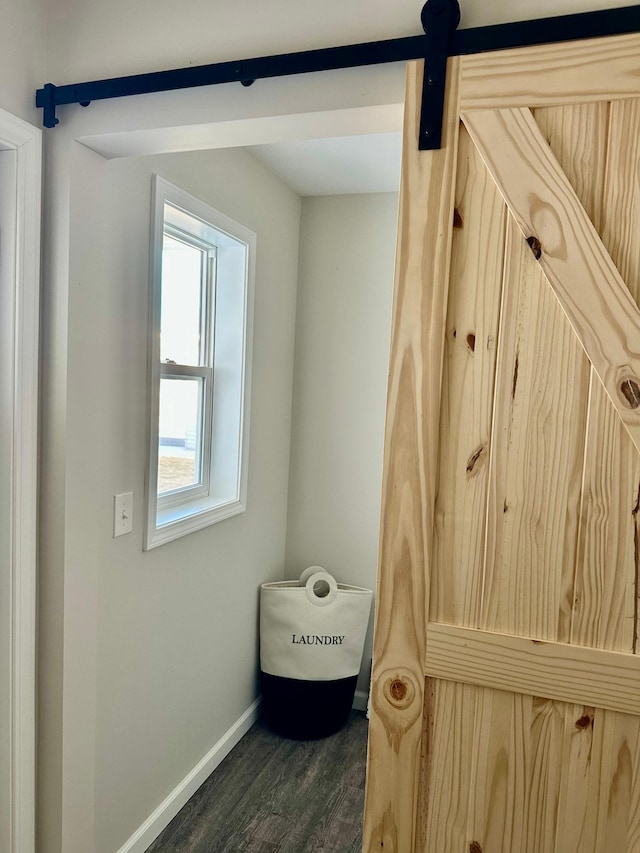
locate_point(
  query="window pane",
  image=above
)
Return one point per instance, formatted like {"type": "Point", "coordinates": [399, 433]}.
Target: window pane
{"type": "Point", "coordinates": [180, 434]}
{"type": "Point", "coordinates": [182, 274]}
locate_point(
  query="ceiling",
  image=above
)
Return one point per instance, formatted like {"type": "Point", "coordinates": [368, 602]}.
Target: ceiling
{"type": "Point", "coordinates": [367, 163]}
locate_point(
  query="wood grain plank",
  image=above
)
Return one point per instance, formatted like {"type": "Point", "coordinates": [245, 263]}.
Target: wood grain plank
{"type": "Point", "coordinates": [448, 795]}
{"type": "Point", "coordinates": [633, 834]}
{"type": "Point", "coordinates": [410, 475]}
{"type": "Point", "coordinates": [575, 758]}
{"type": "Point", "coordinates": [546, 75]}
{"type": "Point", "coordinates": [621, 214]}
{"type": "Point", "coordinates": [499, 773]}
{"type": "Point", "coordinates": [467, 391]}
{"type": "Point", "coordinates": [620, 228]}
{"type": "Point", "coordinates": [597, 807]}
{"type": "Point", "coordinates": [545, 773]}
{"type": "Point", "coordinates": [603, 612]}
{"type": "Point", "coordinates": [465, 428]}
{"type": "Point", "coordinates": [577, 135]}
{"type": "Point", "coordinates": [537, 452]}
{"type": "Point", "coordinates": [560, 671]}
{"type": "Point", "coordinates": [615, 736]}
{"type": "Point", "coordinates": [581, 273]}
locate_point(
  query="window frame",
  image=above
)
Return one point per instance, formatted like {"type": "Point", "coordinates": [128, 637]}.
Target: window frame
{"type": "Point", "coordinates": [203, 371]}
{"type": "Point", "coordinates": [186, 218]}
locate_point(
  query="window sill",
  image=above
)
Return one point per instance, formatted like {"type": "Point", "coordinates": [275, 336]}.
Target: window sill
{"type": "Point", "coordinates": [177, 521]}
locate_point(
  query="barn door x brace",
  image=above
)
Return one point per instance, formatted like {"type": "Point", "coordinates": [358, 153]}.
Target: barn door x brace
{"type": "Point", "coordinates": [441, 39]}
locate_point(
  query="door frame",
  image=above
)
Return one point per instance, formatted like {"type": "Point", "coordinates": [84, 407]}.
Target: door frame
{"type": "Point", "coordinates": [22, 328]}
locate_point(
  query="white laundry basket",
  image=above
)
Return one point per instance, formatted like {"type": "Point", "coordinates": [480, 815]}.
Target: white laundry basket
{"type": "Point", "coordinates": [312, 635]}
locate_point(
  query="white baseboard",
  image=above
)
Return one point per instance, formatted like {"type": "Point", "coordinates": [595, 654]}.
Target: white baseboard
{"type": "Point", "coordinates": [360, 700]}
{"type": "Point", "coordinates": [169, 808]}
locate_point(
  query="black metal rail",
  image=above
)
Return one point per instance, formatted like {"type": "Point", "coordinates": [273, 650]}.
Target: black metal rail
{"type": "Point", "coordinates": [441, 40]}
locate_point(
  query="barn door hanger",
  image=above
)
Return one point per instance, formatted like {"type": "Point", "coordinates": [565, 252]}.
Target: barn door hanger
{"type": "Point", "coordinates": [439, 21]}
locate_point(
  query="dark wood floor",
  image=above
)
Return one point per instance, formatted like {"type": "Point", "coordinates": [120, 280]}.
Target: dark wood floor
{"type": "Point", "coordinates": [272, 795]}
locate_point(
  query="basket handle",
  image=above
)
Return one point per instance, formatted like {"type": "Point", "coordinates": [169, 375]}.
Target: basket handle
{"type": "Point", "coordinates": [306, 574]}
{"type": "Point", "coordinates": [321, 588]}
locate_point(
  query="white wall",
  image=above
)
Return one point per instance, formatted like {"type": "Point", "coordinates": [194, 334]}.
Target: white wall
{"type": "Point", "coordinates": [22, 56]}
{"type": "Point", "coordinates": [347, 249]}
{"type": "Point", "coordinates": [152, 34]}
{"type": "Point", "coordinates": [86, 578]}
{"type": "Point", "coordinates": [168, 638]}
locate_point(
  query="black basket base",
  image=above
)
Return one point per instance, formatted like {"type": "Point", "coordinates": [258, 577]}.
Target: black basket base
{"type": "Point", "coordinates": [306, 710]}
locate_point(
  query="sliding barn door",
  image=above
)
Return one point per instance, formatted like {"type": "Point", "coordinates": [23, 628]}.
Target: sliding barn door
{"type": "Point", "coordinates": [506, 694]}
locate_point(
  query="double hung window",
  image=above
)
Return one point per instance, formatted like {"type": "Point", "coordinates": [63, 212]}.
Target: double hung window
{"type": "Point", "coordinates": [201, 288]}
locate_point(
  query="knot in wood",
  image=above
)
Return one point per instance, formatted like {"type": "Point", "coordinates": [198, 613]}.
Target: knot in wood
{"type": "Point", "coordinates": [584, 721]}
{"type": "Point", "coordinates": [398, 689]}
{"type": "Point", "coordinates": [630, 392]}
{"type": "Point", "coordinates": [536, 247]}
{"type": "Point", "coordinates": [477, 457]}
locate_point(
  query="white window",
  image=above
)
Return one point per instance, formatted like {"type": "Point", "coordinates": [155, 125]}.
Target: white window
{"type": "Point", "coordinates": [199, 362]}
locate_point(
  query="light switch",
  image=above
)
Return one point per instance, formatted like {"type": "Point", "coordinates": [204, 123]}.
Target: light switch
{"type": "Point", "coordinates": [122, 514]}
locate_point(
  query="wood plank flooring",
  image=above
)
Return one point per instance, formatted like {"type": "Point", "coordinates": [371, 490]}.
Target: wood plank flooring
{"type": "Point", "coordinates": [272, 795]}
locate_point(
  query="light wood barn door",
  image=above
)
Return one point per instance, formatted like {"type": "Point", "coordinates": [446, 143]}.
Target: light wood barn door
{"type": "Point", "coordinates": [506, 692]}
